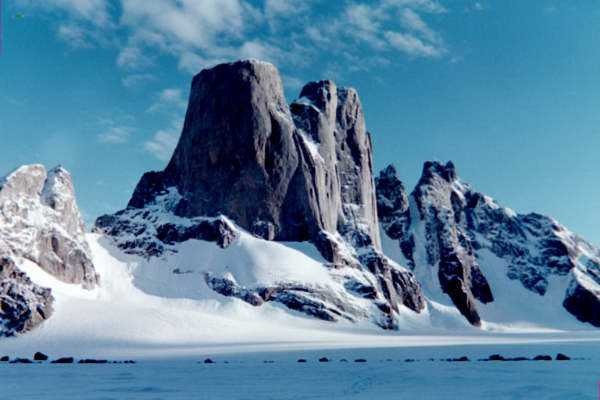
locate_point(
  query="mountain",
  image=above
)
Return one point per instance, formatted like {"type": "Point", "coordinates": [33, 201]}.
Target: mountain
{"type": "Point", "coordinates": [267, 223]}
{"type": "Point", "coordinates": [40, 227]}
{"type": "Point", "coordinates": [453, 237]}
{"type": "Point", "coordinates": [246, 161]}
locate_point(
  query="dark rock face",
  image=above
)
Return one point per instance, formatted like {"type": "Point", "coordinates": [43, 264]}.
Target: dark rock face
{"type": "Point", "coordinates": [438, 209]}
{"type": "Point", "coordinates": [583, 301]}
{"type": "Point", "coordinates": [21, 361]}
{"type": "Point", "coordinates": [392, 202]}
{"type": "Point", "coordinates": [92, 361]}
{"type": "Point", "coordinates": [236, 158]}
{"type": "Point", "coordinates": [288, 173]}
{"type": "Point", "coordinates": [456, 227]}
{"type": "Point", "coordinates": [23, 304]}
{"type": "Point", "coordinates": [281, 174]}
{"type": "Point", "coordinates": [63, 360]}
{"type": "Point", "coordinates": [40, 356]}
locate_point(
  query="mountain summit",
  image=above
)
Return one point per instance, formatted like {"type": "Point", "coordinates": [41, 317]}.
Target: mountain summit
{"type": "Point", "coordinates": [269, 210]}
{"type": "Point", "coordinates": [490, 261]}
{"type": "Point", "coordinates": [40, 227]}
{"type": "Point", "coordinates": [285, 173]}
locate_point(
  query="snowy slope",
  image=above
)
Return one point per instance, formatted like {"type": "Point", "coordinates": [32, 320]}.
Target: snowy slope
{"type": "Point", "coordinates": [142, 309]}
{"type": "Point", "coordinates": [501, 269]}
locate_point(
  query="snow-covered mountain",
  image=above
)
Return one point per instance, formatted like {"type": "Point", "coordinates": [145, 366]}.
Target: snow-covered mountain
{"type": "Point", "coordinates": [493, 264]}
{"type": "Point", "coordinates": [268, 218]}
{"type": "Point", "coordinates": [40, 227]}
{"type": "Point", "coordinates": [247, 162]}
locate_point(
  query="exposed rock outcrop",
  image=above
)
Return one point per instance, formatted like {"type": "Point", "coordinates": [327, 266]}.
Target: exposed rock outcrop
{"type": "Point", "coordinates": [287, 173]}
{"type": "Point", "coordinates": [23, 304]}
{"type": "Point", "coordinates": [40, 224]}
{"type": "Point", "coordinates": [284, 175]}
{"type": "Point", "coordinates": [447, 226]}
{"type": "Point", "coordinates": [40, 221]}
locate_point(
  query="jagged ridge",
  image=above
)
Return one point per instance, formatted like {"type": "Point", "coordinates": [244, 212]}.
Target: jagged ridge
{"type": "Point", "coordinates": [456, 225]}
{"type": "Point", "coordinates": [286, 173]}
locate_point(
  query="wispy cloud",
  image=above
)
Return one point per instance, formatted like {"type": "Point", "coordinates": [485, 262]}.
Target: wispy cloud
{"type": "Point", "coordinates": [170, 100]}
{"type": "Point", "coordinates": [115, 135]}
{"type": "Point", "coordinates": [163, 143]}
{"type": "Point", "coordinates": [412, 45]}
{"type": "Point", "coordinates": [200, 33]}
{"type": "Point", "coordinates": [136, 79]}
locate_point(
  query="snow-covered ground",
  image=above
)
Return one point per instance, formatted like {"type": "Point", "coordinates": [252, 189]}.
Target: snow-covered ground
{"type": "Point", "coordinates": [143, 309]}
{"type": "Point", "coordinates": [385, 375]}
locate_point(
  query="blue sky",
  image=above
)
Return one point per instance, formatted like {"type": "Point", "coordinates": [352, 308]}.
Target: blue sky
{"type": "Point", "coordinates": [508, 90]}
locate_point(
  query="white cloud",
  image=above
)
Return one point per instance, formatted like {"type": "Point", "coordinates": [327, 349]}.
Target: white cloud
{"type": "Point", "coordinates": [170, 99]}
{"type": "Point", "coordinates": [429, 6]}
{"type": "Point", "coordinates": [278, 7]}
{"type": "Point", "coordinates": [413, 22]}
{"type": "Point", "coordinates": [292, 34]}
{"type": "Point", "coordinates": [96, 12]}
{"type": "Point", "coordinates": [411, 45]}
{"type": "Point", "coordinates": [177, 25]}
{"type": "Point", "coordinates": [115, 135]}
{"type": "Point", "coordinates": [163, 143]}
{"type": "Point", "coordinates": [132, 57]}
{"type": "Point", "coordinates": [83, 23]}
{"type": "Point", "coordinates": [75, 35]}
{"type": "Point", "coordinates": [134, 80]}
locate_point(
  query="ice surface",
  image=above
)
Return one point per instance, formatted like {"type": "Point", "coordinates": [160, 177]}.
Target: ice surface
{"type": "Point", "coordinates": [249, 377]}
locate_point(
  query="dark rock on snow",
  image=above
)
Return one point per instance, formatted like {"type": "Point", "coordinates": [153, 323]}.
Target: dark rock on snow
{"type": "Point", "coordinates": [21, 361]}
{"type": "Point", "coordinates": [63, 360]}
{"type": "Point", "coordinates": [459, 359]}
{"type": "Point", "coordinates": [23, 304]}
{"type": "Point", "coordinates": [40, 356]}
{"type": "Point", "coordinates": [542, 358]}
{"type": "Point", "coordinates": [583, 301]}
{"type": "Point", "coordinates": [562, 357]}
{"type": "Point", "coordinates": [92, 361]}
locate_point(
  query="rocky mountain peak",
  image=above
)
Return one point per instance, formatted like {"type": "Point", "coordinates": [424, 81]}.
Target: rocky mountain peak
{"type": "Point", "coordinates": [435, 169]}
{"type": "Point", "coordinates": [288, 173]}
{"type": "Point", "coordinates": [27, 180]}
{"type": "Point", "coordinates": [59, 194]}
{"type": "Point", "coordinates": [281, 172]}
{"type": "Point", "coordinates": [321, 94]}
{"type": "Point", "coordinates": [40, 223]}
{"type": "Point", "coordinates": [392, 198]}
{"type": "Point", "coordinates": [456, 233]}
